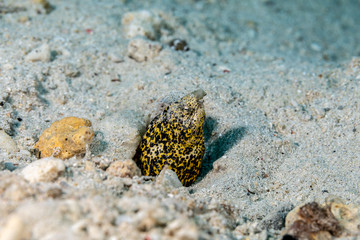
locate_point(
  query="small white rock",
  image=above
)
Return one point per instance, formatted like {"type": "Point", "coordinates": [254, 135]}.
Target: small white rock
{"type": "Point", "coordinates": [44, 170]}
{"type": "Point", "coordinates": [141, 23]}
{"type": "Point", "coordinates": [316, 47]}
{"type": "Point", "coordinates": [142, 50]}
{"type": "Point", "coordinates": [41, 53]}
{"type": "Point", "coordinates": [168, 179]}
{"type": "Point", "coordinates": [7, 144]}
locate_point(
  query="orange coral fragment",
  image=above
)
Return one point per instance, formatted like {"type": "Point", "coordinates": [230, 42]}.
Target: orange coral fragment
{"type": "Point", "coordinates": [65, 138]}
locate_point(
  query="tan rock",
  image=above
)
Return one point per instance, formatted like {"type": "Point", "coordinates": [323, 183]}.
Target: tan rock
{"type": "Point", "coordinates": [65, 138]}
{"type": "Point", "coordinates": [127, 168]}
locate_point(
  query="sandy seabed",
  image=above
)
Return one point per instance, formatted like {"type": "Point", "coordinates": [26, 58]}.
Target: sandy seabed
{"type": "Point", "coordinates": [282, 127]}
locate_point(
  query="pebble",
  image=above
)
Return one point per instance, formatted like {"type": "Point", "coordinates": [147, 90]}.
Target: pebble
{"type": "Point", "coordinates": [316, 47]}
{"type": "Point", "coordinates": [334, 218]}
{"type": "Point", "coordinates": [127, 168]}
{"type": "Point", "coordinates": [348, 215]}
{"type": "Point", "coordinates": [14, 229]}
{"type": "Point", "coordinates": [141, 23]}
{"type": "Point", "coordinates": [142, 50]}
{"type": "Point", "coordinates": [44, 170]}
{"type": "Point", "coordinates": [7, 144]}
{"type": "Point", "coordinates": [179, 45]}
{"type": "Point", "coordinates": [168, 180]}
{"type": "Point", "coordinates": [41, 53]}
{"type": "Point", "coordinates": [65, 138]}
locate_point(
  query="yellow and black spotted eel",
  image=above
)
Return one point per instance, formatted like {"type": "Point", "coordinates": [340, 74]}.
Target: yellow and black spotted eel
{"type": "Point", "coordinates": [175, 138]}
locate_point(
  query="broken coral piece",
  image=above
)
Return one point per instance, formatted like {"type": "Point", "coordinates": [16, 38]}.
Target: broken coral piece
{"type": "Point", "coordinates": [65, 138]}
{"type": "Point", "coordinates": [42, 53]}
{"type": "Point", "coordinates": [348, 216]}
{"type": "Point", "coordinates": [325, 221]}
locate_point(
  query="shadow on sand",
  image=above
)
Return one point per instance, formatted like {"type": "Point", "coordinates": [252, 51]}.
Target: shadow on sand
{"type": "Point", "coordinates": [217, 146]}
